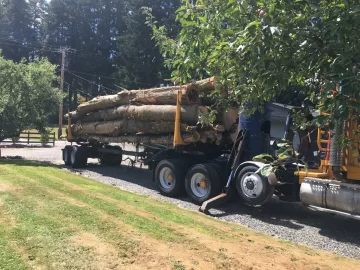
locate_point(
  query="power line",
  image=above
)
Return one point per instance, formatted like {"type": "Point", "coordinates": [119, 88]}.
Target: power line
{"type": "Point", "coordinates": [113, 91]}
{"type": "Point", "coordinates": [28, 47]}
{"type": "Point", "coordinates": [89, 56]}
{"type": "Point", "coordinates": [30, 43]}
{"type": "Point", "coordinates": [78, 72]}
{"type": "Point", "coordinates": [77, 89]}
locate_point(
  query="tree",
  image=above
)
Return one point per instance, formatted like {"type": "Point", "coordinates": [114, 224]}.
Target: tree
{"type": "Point", "coordinates": [16, 31]}
{"type": "Point", "coordinates": [258, 48]}
{"type": "Point", "coordinates": [27, 95]}
{"type": "Point", "coordinates": [89, 28]}
{"type": "Point", "coordinates": [139, 62]}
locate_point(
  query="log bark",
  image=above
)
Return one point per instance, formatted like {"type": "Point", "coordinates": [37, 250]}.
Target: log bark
{"type": "Point", "coordinates": [189, 114]}
{"type": "Point", "coordinates": [144, 139]}
{"type": "Point", "coordinates": [122, 127]}
{"type": "Point", "coordinates": [166, 139]}
{"type": "Point", "coordinates": [159, 96]}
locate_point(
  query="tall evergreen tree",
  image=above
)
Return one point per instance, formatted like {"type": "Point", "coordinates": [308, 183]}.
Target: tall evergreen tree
{"type": "Point", "coordinates": [16, 32]}
{"type": "Point", "coordinates": [89, 28]}
{"type": "Point", "coordinates": [138, 60]}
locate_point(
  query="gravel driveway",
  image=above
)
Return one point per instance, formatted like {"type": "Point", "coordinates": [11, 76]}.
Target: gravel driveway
{"type": "Point", "coordinates": [289, 221]}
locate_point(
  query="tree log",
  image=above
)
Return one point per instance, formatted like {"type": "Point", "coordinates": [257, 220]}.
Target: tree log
{"type": "Point", "coordinates": [122, 127]}
{"type": "Point", "coordinates": [145, 139]}
{"type": "Point", "coordinates": [166, 139]}
{"type": "Point", "coordinates": [189, 114]}
{"type": "Point", "coordinates": [160, 96]}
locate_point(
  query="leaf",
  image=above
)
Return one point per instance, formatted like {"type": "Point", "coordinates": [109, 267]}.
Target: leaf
{"type": "Point", "coordinates": [264, 157]}
{"type": "Point", "coordinates": [266, 170]}
{"type": "Point", "coordinates": [274, 30]}
{"type": "Point", "coordinates": [254, 23]}
{"type": "Point", "coordinates": [272, 9]}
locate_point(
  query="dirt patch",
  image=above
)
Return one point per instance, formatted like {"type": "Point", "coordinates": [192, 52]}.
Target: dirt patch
{"type": "Point", "coordinates": [5, 217]}
{"type": "Point", "coordinates": [9, 188]}
{"type": "Point", "coordinates": [104, 255]}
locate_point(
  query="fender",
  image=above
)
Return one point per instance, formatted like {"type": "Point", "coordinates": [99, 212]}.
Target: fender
{"type": "Point", "coordinates": [272, 179]}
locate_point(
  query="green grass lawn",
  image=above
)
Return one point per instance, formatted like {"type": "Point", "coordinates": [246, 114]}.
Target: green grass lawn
{"type": "Point", "coordinates": [52, 219]}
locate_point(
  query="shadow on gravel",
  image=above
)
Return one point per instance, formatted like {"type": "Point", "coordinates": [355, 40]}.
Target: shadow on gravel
{"type": "Point", "coordinates": [138, 176]}
{"type": "Point", "coordinates": [296, 217]}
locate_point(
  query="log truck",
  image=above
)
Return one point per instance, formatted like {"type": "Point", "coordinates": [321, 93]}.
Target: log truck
{"type": "Point", "coordinates": [210, 174]}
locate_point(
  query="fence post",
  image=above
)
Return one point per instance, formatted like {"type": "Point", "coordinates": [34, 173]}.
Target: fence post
{"type": "Point", "coordinates": [54, 139]}
{"type": "Point", "coordinates": [28, 137]}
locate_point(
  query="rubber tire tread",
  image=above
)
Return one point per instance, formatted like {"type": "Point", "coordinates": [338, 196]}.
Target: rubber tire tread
{"type": "Point", "coordinates": [266, 195]}
{"type": "Point", "coordinates": [111, 160]}
{"type": "Point", "coordinates": [81, 155]}
{"type": "Point", "coordinates": [67, 151]}
{"type": "Point", "coordinates": [179, 168]}
{"type": "Point", "coordinates": [212, 174]}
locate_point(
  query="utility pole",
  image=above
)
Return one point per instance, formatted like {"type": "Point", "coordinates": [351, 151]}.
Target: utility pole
{"type": "Point", "coordinates": [70, 98]}
{"type": "Point", "coordinates": [63, 57]}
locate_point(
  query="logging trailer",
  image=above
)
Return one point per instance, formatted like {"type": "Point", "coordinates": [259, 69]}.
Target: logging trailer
{"type": "Point", "coordinates": [210, 174]}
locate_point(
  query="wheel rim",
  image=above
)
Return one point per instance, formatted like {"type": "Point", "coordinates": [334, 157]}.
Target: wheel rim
{"type": "Point", "coordinates": [200, 185]}
{"type": "Point", "coordinates": [72, 156]}
{"type": "Point", "coordinates": [167, 178]}
{"type": "Point", "coordinates": [251, 185]}
{"type": "Point", "coordinates": [66, 156]}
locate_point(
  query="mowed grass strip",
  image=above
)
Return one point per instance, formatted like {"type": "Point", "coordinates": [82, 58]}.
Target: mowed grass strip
{"type": "Point", "coordinates": [162, 210]}
{"type": "Point", "coordinates": [58, 220]}
{"type": "Point", "coordinates": [46, 226]}
{"type": "Point", "coordinates": [145, 225]}
{"type": "Point", "coordinates": [9, 258]}
{"type": "Point", "coordinates": [81, 218]}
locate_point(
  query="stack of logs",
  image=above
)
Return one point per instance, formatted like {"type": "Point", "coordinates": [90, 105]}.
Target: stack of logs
{"type": "Point", "coordinates": [148, 116]}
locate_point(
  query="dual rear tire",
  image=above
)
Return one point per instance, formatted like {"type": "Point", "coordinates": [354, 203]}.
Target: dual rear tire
{"type": "Point", "coordinates": [201, 182]}
{"type": "Point", "coordinates": [75, 156]}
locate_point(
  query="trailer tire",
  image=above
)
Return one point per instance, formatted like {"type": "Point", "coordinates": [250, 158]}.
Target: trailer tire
{"type": "Point", "coordinates": [111, 160]}
{"type": "Point", "coordinates": [67, 155]}
{"type": "Point", "coordinates": [253, 189]}
{"type": "Point", "coordinates": [203, 182]}
{"type": "Point", "coordinates": [79, 156]}
{"type": "Point", "coordinates": [170, 176]}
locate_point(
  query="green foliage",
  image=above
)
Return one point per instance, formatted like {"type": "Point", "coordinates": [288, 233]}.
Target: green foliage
{"type": "Point", "coordinates": [285, 154]}
{"type": "Point", "coordinates": [139, 62]}
{"type": "Point", "coordinates": [257, 49]}
{"type": "Point", "coordinates": [45, 137]}
{"type": "Point", "coordinates": [17, 22]}
{"type": "Point", "coordinates": [27, 95]}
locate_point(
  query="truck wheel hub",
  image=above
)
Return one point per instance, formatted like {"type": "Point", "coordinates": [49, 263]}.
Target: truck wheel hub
{"type": "Point", "coordinates": [170, 177]}
{"type": "Point", "coordinates": [167, 178]}
{"type": "Point", "coordinates": [202, 184]}
{"type": "Point", "coordinates": [200, 187]}
{"type": "Point", "coordinates": [251, 185]}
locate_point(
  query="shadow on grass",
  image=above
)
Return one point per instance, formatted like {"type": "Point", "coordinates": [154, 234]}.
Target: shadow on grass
{"type": "Point", "coordinates": [20, 161]}
{"type": "Point", "coordinates": [24, 145]}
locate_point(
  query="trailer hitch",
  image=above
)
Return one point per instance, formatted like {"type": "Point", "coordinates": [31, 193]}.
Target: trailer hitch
{"type": "Point", "coordinates": [206, 205]}
{"type": "Point", "coordinates": [236, 157]}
